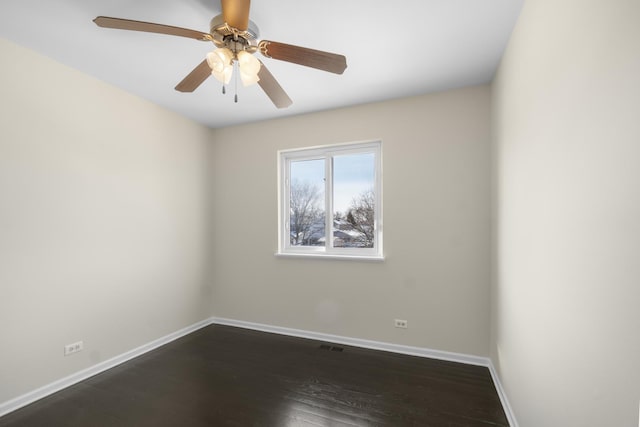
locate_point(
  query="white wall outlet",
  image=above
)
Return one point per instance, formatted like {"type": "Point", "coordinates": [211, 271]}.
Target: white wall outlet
{"type": "Point", "coordinates": [73, 348]}
{"type": "Point", "coordinates": [400, 323]}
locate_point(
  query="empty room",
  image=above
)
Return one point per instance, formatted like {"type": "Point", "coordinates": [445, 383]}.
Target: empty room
{"type": "Point", "coordinates": [284, 213]}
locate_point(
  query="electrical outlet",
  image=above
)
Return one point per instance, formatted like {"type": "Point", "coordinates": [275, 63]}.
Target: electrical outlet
{"type": "Point", "coordinates": [73, 348]}
{"type": "Point", "coordinates": [400, 323]}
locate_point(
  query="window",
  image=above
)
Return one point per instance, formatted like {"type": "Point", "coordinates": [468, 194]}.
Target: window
{"type": "Point", "coordinates": [330, 201]}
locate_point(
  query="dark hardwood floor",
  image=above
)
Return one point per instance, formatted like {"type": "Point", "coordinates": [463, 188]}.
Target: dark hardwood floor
{"type": "Point", "coordinates": [224, 376]}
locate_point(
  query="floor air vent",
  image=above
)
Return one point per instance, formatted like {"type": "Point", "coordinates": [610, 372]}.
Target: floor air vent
{"type": "Point", "coordinates": [330, 347]}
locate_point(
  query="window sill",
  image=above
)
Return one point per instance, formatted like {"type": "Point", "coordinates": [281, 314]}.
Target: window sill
{"type": "Point", "coordinates": [367, 258]}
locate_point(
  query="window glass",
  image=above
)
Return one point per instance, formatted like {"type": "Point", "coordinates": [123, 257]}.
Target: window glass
{"type": "Point", "coordinates": [354, 200]}
{"type": "Point", "coordinates": [306, 203]}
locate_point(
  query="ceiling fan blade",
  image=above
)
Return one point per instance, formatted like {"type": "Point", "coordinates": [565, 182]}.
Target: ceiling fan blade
{"type": "Point", "coordinates": [325, 61]}
{"type": "Point", "coordinates": [236, 13]}
{"type": "Point", "coordinates": [272, 88]}
{"type": "Point", "coordinates": [195, 78]}
{"type": "Point", "coordinates": [149, 27]}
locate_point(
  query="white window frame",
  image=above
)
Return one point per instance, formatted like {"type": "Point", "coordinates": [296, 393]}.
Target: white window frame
{"type": "Point", "coordinates": [285, 157]}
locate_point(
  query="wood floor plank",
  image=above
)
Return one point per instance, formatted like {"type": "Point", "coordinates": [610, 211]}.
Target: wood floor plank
{"type": "Point", "coordinates": [225, 376]}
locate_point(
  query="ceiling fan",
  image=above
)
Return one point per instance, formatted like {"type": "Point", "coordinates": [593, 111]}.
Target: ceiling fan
{"type": "Point", "coordinates": [236, 39]}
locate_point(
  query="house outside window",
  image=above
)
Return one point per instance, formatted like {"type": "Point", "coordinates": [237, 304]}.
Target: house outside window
{"type": "Point", "coordinates": [330, 201]}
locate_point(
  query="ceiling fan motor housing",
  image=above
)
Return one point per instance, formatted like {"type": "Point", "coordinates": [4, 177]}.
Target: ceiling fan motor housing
{"type": "Point", "coordinates": [232, 38]}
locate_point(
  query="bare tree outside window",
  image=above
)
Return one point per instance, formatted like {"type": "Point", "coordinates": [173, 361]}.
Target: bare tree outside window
{"type": "Point", "coordinates": [361, 216]}
{"type": "Point", "coordinates": [307, 215]}
{"type": "Point", "coordinates": [356, 228]}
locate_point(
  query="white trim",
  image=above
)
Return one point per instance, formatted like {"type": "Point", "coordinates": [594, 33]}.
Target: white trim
{"type": "Point", "coordinates": [511, 417]}
{"type": "Point", "coordinates": [327, 154]}
{"type": "Point", "coordinates": [46, 390]}
{"type": "Point", "coordinates": [334, 145]}
{"type": "Point", "coordinates": [377, 345]}
{"type": "Point", "coordinates": [333, 256]}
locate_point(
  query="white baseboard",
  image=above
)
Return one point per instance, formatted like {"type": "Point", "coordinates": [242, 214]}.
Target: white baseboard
{"type": "Point", "coordinates": [358, 342]}
{"type": "Point", "coordinates": [377, 345]}
{"type": "Point", "coordinates": [44, 391]}
{"type": "Point", "coordinates": [25, 399]}
{"type": "Point", "coordinates": [508, 411]}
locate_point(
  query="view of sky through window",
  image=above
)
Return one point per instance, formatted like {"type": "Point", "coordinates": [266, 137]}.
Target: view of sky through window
{"type": "Point", "coordinates": [353, 174]}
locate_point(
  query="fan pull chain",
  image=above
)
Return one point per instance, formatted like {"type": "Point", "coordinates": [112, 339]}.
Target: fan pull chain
{"type": "Point", "coordinates": [236, 71]}
{"type": "Point", "coordinates": [224, 90]}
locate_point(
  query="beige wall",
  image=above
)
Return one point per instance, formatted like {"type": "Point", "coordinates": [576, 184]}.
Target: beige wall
{"type": "Point", "coordinates": [436, 226]}
{"type": "Point", "coordinates": [566, 327]}
{"type": "Point", "coordinates": [104, 221]}
{"type": "Point", "coordinates": [122, 222]}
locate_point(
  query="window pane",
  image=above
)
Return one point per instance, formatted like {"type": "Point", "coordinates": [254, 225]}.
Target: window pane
{"type": "Point", "coordinates": [354, 201]}
{"type": "Point", "coordinates": [306, 203]}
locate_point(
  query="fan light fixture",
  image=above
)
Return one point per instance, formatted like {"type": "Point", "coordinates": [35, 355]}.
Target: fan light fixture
{"type": "Point", "coordinates": [221, 63]}
{"type": "Point", "coordinates": [249, 68]}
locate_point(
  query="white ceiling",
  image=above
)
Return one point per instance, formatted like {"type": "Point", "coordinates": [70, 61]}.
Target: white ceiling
{"type": "Point", "coordinates": [393, 49]}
